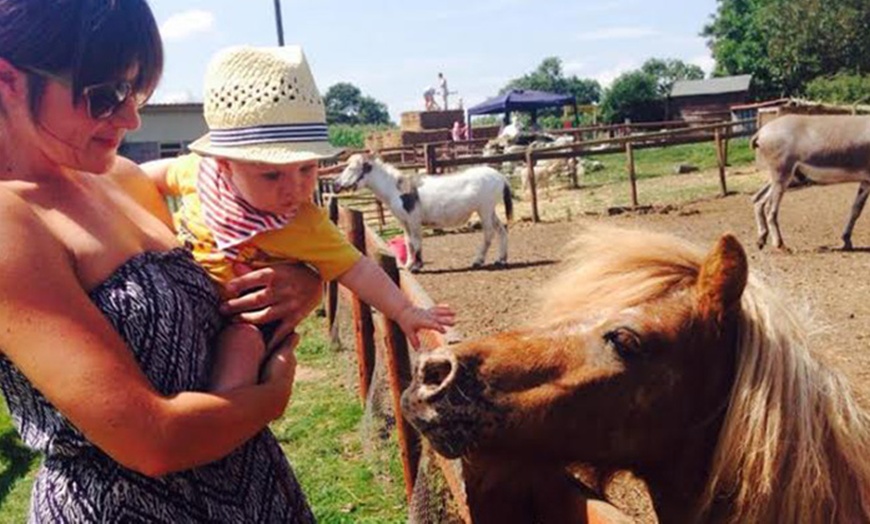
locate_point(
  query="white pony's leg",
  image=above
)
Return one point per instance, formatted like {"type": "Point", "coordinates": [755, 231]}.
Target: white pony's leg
{"type": "Point", "coordinates": [414, 242]}
{"type": "Point", "coordinates": [857, 208]}
{"type": "Point", "coordinates": [488, 231]}
{"type": "Point", "coordinates": [502, 240]}
{"type": "Point", "coordinates": [761, 198]}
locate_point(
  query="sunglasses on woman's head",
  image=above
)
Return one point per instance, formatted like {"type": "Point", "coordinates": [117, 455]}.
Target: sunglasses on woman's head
{"type": "Point", "coordinates": [102, 100]}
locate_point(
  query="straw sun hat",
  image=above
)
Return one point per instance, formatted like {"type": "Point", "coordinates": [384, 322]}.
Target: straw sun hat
{"type": "Point", "coordinates": [261, 105]}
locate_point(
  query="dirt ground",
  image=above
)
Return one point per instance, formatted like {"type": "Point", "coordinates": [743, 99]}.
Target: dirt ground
{"type": "Point", "coordinates": [815, 274]}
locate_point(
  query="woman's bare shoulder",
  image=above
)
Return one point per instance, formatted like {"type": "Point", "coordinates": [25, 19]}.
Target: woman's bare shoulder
{"type": "Point", "coordinates": [25, 235]}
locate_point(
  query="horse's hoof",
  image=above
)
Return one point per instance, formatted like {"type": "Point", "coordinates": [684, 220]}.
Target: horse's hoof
{"type": "Point", "coordinates": [500, 263]}
{"type": "Point", "coordinates": [847, 246]}
{"type": "Point", "coordinates": [477, 264]}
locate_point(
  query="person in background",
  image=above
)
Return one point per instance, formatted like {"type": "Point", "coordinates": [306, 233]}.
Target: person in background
{"type": "Point", "coordinates": [429, 99]}
{"type": "Point", "coordinates": [107, 321]}
{"type": "Point", "coordinates": [459, 132]}
{"type": "Point", "coordinates": [247, 196]}
{"type": "Point", "coordinates": [442, 88]}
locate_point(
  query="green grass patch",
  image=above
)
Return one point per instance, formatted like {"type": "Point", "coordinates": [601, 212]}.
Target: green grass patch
{"type": "Point", "coordinates": [656, 162]}
{"type": "Point", "coordinates": [17, 468]}
{"type": "Point", "coordinates": [321, 435]}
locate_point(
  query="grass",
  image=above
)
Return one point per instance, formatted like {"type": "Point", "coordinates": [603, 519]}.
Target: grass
{"type": "Point", "coordinates": [320, 434]}
{"type": "Point", "coordinates": [657, 162]}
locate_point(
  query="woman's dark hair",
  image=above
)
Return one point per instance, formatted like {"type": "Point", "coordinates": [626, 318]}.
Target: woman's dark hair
{"type": "Point", "coordinates": [90, 41]}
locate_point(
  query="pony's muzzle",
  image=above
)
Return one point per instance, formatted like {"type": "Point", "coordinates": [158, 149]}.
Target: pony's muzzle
{"type": "Point", "coordinates": [436, 371]}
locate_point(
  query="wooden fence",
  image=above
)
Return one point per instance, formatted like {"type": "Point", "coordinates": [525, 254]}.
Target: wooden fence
{"type": "Point", "coordinates": [443, 156]}
{"type": "Point", "coordinates": [398, 359]}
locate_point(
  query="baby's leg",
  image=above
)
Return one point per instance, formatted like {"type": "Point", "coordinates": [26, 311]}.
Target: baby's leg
{"type": "Point", "coordinates": [240, 350]}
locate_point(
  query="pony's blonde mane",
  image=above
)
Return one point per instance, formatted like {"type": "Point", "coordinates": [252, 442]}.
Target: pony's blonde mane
{"type": "Point", "coordinates": [795, 444]}
{"type": "Point", "coordinates": [404, 182]}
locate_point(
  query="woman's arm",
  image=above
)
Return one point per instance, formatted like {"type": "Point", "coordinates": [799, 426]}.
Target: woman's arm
{"type": "Point", "coordinates": [156, 171]}
{"type": "Point", "coordinates": [148, 188]}
{"type": "Point", "coordinates": [62, 343]}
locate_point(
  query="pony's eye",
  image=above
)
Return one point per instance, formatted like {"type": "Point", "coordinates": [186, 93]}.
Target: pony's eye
{"type": "Point", "coordinates": [625, 341]}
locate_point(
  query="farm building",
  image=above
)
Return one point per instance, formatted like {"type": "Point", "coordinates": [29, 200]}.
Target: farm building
{"type": "Point", "coordinates": [708, 99]}
{"type": "Point", "coordinates": [165, 132]}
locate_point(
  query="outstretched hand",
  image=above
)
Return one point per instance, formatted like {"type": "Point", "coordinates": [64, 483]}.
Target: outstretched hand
{"type": "Point", "coordinates": [413, 319]}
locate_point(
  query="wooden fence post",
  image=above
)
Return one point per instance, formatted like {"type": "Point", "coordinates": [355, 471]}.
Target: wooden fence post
{"type": "Point", "coordinates": [364, 327]}
{"type": "Point", "coordinates": [530, 174]}
{"type": "Point", "coordinates": [429, 158]}
{"type": "Point", "coordinates": [629, 153]}
{"type": "Point", "coordinates": [572, 172]}
{"type": "Point", "coordinates": [399, 371]}
{"type": "Point", "coordinates": [331, 288]}
{"type": "Point", "coordinates": [720, 158]}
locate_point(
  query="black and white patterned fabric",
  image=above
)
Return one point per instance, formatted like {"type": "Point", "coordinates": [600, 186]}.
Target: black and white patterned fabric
{"type": "Point", "coordinates": [165, 307]}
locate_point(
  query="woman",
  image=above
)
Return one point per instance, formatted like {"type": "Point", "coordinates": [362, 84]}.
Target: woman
{"type": "Point", "coordinates": [105, 322]}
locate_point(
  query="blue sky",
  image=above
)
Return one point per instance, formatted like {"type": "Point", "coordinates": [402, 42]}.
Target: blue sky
{"type": "Point", "coordinates": [393, 50]}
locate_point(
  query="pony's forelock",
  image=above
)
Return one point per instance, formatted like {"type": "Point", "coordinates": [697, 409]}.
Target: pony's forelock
{"type": "Point", "coordinates": [628, 268]}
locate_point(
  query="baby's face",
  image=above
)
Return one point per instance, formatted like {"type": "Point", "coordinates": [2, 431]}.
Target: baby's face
{"type": "Point", "coordinates": [276, 189]}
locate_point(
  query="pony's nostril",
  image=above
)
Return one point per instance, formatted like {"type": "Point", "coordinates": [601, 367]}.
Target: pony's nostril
{"type": "Point", "coordinates": [435, 372]}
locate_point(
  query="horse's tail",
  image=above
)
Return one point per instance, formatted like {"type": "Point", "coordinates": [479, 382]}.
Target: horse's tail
{"type": "Point", "coordinates": [508, 201]}
{"type": "Point", "coordinates": [753, 142]}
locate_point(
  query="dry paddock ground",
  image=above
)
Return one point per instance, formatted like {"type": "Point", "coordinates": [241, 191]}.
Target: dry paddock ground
{"type": "Point", "coordinates": [832, 283]}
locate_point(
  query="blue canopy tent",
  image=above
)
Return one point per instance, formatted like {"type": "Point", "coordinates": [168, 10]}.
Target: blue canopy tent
{"type": "Point", "coordinates": [521, 100]}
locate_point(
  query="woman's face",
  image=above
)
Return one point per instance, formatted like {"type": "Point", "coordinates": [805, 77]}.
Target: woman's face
{"type": "Point", "coordinates": [69, 136]}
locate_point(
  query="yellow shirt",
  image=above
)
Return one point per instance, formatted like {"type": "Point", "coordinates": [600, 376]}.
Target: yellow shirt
{"type": "Point", "coordinates": [310, 237]}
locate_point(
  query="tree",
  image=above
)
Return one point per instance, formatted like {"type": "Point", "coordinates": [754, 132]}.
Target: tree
{"type": "Point", "coordinates": [549, 77]}
{"type": "Point", "coordinates": [633, 95]}
{"type": "Point", "coordinates": [669, 70]}
{"type": "Point", "coordinates": [784, 44]}
{"type": "Point", "coordinates": [345, 104]}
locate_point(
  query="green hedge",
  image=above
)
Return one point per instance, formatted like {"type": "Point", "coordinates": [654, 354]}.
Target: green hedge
{"type": "Point", "coordinates": [342, 135]}
{"type": "Point", "coordinates": [841, 88]}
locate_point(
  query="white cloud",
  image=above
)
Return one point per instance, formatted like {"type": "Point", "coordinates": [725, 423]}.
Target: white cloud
{"type": "Point", "coordinates": [705, 62]}
{"type": "Point", "coordinates": [606, 77]}
{"type": "Point", "coordinates": [573, 67]}
{"type": "Point", "coordinates": [185, 24]}
{"type": "Point", "coordinates": [618, 33]}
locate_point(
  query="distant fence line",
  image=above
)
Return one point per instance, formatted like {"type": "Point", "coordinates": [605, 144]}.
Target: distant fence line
{"type": "Point", "coordinates": [443, 156]}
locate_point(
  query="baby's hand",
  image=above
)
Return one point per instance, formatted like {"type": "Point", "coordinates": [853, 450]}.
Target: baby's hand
{"type": "Point", "coordinates": [413, 319]}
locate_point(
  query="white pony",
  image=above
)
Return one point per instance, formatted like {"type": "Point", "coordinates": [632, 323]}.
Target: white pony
{"type": "Point", "coordinates": [437, 201]}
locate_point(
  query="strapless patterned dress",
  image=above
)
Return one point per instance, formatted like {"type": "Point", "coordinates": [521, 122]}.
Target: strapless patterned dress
{"type": "Point", "coordinates": [166, 309]}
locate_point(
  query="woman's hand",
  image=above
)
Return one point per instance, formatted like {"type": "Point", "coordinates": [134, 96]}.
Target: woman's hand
{"type": "Point", "coordinates": [287, 293]}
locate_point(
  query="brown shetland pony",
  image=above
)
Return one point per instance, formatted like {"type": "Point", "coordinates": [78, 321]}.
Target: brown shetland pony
{"type": "Point", "coordinates": [651, 357]}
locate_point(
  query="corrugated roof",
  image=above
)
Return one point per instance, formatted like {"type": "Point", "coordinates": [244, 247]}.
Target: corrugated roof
{"type": "Point", "coordinates": [711, 86]}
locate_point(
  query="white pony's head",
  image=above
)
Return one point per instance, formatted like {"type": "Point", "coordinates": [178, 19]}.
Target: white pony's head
{"type": "Point", "coordinates": [355, 174]}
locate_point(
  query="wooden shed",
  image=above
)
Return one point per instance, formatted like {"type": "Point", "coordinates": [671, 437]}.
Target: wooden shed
{"type": "Point", "coordinates": [708, 99]}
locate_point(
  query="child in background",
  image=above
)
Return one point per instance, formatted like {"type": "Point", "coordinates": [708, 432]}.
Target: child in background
{"type": "Point", "coordinates": [246, 195]}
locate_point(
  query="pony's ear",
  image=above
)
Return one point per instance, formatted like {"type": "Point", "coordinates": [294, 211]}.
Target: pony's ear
{"type": "Point", "coordinates": [722, 279]}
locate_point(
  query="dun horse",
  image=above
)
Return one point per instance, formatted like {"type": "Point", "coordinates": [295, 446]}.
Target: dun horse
{"type": "Point", "coordinates": [651, 357]}
{"type": "Point", "coordinates": [827, 149]}
{"type": "Point", "coordinates": [437, 201]}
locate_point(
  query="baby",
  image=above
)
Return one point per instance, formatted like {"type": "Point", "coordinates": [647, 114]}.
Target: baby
{"type": "Point", "coordinates": [246, 196]}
